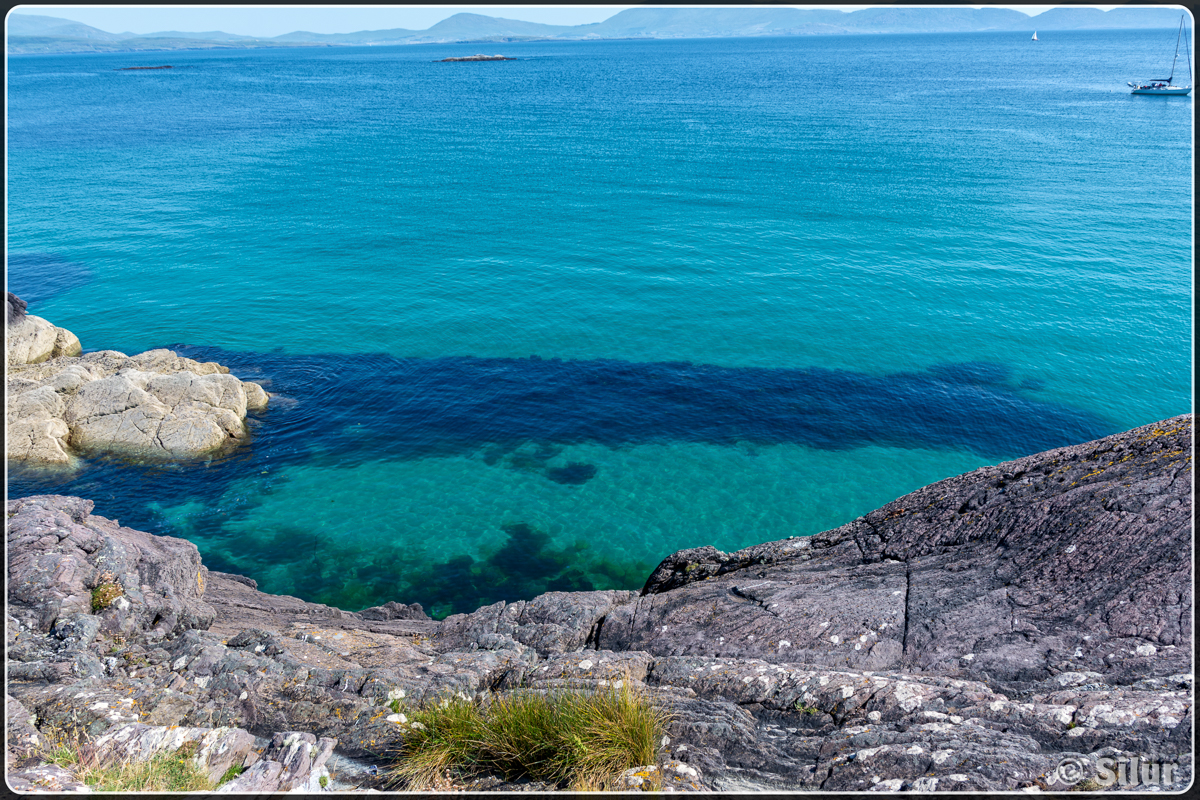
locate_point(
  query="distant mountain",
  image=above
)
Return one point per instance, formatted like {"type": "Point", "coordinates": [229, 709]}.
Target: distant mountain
{"type": "Point", "coordinates": [210, 36]}
{"type": "Point", "coordinates": [33, 25]}
{"type": "Point", "coordinates": [688, 23]}
{"type": "Point", "coordinates": [392, 36]}
{"type": "Point", "coordinates": [29, 33]}
{"type": "Point", "coordinates": [914, 20]}
{"type": "Point", "coordinates": [473, 26]}
{"type": "Point", "coordinates": [1065, 19]}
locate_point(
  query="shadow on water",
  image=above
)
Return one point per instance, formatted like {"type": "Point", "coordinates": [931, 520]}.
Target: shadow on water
{"type": "Point", "coordinates": [346, 410]}
{"type": "Point", "coordinates": [37, 277]}
{"type": "Point", "coordinates": [378, 405]}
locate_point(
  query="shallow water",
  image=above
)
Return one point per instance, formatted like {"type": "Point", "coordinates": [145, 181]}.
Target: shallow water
{"type": "Point", "coordinates": [536, 324]}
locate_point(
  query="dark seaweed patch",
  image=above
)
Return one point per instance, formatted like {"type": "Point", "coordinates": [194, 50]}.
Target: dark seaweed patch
{"type": "Point", "coordinates": [572, 474]}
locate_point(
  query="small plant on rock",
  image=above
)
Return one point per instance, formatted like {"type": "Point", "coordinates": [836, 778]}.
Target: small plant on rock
{"type": "Point", "coordinates": [106, 592]}
{"type": "Point", "coordinates": [231, 773]}
{"type": "Point", "coordinates": [803, 709]}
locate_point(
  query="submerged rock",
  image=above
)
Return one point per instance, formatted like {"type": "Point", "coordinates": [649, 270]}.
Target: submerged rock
{"type": "Point", "coordinates": [969, 636]}
{"type": "Point", "coordinates": [153, 404]}
{"type": "Point", "coordinates": [572, 474]}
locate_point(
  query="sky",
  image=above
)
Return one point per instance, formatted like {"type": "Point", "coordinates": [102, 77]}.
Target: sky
{"type": "Point", "coordinates": [264, 21]}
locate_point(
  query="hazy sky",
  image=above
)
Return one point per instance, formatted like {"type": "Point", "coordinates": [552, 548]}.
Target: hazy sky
{"type": "Point", "coordinates": [265, 21]}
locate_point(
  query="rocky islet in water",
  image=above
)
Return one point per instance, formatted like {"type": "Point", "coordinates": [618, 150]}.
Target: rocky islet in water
{"type": "Point", "coordinates": [61, 402]}
{"type": "Point", "coordinates": [477, 57]}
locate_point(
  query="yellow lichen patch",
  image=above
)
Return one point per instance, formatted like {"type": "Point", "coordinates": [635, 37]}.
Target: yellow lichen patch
{"type": "Point", "coordinates": [200, 581]}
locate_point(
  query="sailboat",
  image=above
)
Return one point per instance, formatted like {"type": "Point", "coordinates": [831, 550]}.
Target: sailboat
{"type": "Point", "coordinates": [1163, 85]}
{"type": "Point", "coordinates": [1035, 36]}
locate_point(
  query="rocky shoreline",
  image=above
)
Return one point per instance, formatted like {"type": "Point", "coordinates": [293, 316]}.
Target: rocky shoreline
{"type": "Point", "coordinates": [155, 404]}
{"type": "Point", "coordinates": [975, 635]}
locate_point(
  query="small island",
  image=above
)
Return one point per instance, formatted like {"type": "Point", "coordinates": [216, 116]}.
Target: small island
{"type": "Point", "coordinates": [478, 57]}
{"type": "Point", "coordinates": [165, 66]}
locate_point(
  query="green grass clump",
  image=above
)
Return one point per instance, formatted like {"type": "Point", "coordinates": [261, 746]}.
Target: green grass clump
{"type": "Point", "coordinates": [165, 772]}
{"type": "Point", "coordinates": [106, 592]}
{"type": "Point", "coordinates": [581, 740]}
{"type": "Point", "coordinates": [231, 773]}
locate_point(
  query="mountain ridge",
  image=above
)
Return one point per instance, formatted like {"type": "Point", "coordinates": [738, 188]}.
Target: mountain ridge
{"type": "Point", "coordinates": [28, 33]}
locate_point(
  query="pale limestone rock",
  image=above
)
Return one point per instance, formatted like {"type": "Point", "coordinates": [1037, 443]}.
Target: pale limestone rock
{"type": "Point", "coordinates": [32, 339]}
{"type": "Point", "coordinates": [256, 396]}
{"type": "Point", "coordinates": [155, 403]}
{"type": "Point", "coordinates": [294, 761]}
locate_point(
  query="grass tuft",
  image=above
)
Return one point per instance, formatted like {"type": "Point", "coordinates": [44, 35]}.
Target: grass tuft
{"type": "Point", "coordinates": [581, 740]}
{"type": "Point", "coordinates": [165, 772]}
{"type": "Point", "coordinates": [231, 773]}
{"type": "Point", "coordinates": [106, 592]}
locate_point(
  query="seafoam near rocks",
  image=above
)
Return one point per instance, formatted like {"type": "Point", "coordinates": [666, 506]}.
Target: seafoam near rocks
{"type": "Point", "coordinates": [60, 403]}
{"type": "Point", "coordinates": [971, 636]}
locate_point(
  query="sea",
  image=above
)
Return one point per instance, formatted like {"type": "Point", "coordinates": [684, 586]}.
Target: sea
{"type": "Point", "coordinates": [533, 325]}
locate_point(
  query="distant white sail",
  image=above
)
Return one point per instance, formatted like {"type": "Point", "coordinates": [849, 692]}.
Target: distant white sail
{"type": "Point", "coordinates": [1035, 36]}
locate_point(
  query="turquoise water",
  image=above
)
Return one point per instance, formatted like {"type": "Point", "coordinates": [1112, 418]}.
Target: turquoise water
{"type": "Point", "coordinates": [767, 285]}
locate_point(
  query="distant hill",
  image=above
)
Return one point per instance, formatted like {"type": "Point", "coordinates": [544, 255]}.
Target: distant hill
{"type": "Point", "coordinates": [33, 25]}
{"type": "Point", "coordinates": [210, 36]}
{"type": "Point", "coordinates": [30, 33]}
{"type": "Point", "coordinates": [392, 36]}
{"type": "Point", "coordinates": [914, 20]}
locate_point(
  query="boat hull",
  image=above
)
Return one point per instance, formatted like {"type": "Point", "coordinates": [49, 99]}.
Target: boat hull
{"type": "Point", "coordinates": [1173, 90]}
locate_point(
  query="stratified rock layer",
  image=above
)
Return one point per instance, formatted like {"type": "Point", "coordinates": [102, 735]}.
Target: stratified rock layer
{"type": "Point", "coordinates": [1066, 561]}
{"type": "Point", "coordinates": [152, 404]}
{"type": "Point", "coordinates": [967, 637]}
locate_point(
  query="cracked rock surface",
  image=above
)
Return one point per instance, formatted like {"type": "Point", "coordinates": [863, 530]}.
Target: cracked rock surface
{"type": "Point", "coordinates": [60, 403]}
{"type": "Point", "coordinates": [969, 636]}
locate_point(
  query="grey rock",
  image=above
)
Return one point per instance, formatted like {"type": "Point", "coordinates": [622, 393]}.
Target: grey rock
{"type": "Point", "coordinates": [22, 740]}
{"type": "Point", "coordinates": [393, 610]}
{"type": "Point", "coordinates": [14, 309]}
{"type": "Point", "coordinates": [1004, 573]}
{"type": "Point", "coordinates": [556, 622]}
{"type": "Point", "coordinates": [58, 554]}
{"type": "Point", "coordinates": [981, 637]}
{"type": "Point", "coordinates": [48, 778]}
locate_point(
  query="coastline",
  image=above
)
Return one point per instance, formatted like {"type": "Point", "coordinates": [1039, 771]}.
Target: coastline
{"type": "Point", "coordinates": [844, 645]}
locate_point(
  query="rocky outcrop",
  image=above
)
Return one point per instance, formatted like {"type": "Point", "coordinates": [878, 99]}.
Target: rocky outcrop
{"type": "Point", "coordinates": [971, 636]}
{"type": "Point", "coordinates": [1075, 560]}
{"type": "Point", "coordinates": [30, 339]}
{"type": "Point", "coordinates": [152, 404]}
